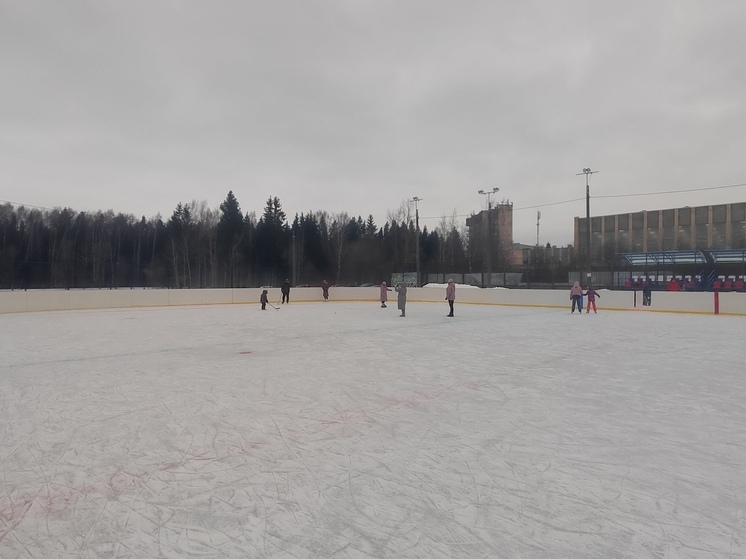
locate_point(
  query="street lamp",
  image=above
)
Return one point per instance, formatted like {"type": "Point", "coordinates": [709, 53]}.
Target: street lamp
{"type": "Point", "coordinates": [416, 199]}
{"type": "Point", "coordinates": [587, 172]}
{"type": "Point", "coordinates": [489, 194]}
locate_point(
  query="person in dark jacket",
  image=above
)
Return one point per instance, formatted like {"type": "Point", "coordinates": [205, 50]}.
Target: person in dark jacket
{"type": "Point", "coordinates": [647, 294]}
{"type": "Point", "coordinates": [325, 290]}
{"type": "Point", "coordinates": [401, 298]}
{"type": "Point", "coordinates": [285, 289]}
{"type": "Point", "coordinates": [264, 299]}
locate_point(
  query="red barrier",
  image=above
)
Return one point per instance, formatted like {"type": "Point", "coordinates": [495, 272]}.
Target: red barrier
{"type": "Point", "coordinates": [717, 302]}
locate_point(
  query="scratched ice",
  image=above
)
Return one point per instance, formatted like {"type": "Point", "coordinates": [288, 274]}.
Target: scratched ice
{"type": "Point", "coordinates": [340, 430]}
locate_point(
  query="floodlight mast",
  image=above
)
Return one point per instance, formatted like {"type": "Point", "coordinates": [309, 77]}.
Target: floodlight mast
{"type": "Point", "coordinates": [416, 199]}
{"type": "Point", "coordinates": [587, 172]}
{"type": "Point", "coordinates": [489, 194]}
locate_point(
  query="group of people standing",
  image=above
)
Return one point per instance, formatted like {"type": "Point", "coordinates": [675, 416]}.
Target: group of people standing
{"type": "Point", "coordinates": [401, 297]}
{"type": "Point", "coordinates": [576, 296]}
{"type": "Point", "coordinates": [285, 290]}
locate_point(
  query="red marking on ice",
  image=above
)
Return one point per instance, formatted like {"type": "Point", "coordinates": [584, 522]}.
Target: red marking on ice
{"type": "Point", "coordinates": [414, 401]}
{"type": "Point", "coordinates": [244, 352]}
{"type": "Point", "coordinates": [11, 515]}
{"type": "Point", "coordinates": [58, 501]}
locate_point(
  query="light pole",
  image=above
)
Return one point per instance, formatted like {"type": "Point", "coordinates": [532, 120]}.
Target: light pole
{"type": "Point", "coordinates": [489, 194]}
{"type": "Point", "coordinates": [416, 199]}
{"type": "Point", "coordinates": [293, 274]}
{"type": "Point", "coordinates": [587, 172]}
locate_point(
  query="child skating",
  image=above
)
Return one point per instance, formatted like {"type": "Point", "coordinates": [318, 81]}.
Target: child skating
{"type": "Point", "coordinates": [576, 292]}
{"type": "Point", "coordinates": [264, 299]}
{"type": "Point", "coordinates": [591, 302]}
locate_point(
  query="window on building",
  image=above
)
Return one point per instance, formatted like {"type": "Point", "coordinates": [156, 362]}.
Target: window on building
{"type": "Point", "coordinates": [700, 236]}
{"type": "Point", "coordinates": [737, 213]}
{"type": "Point", "coordinates": [622, 240]}
{"type": "Point", "coordinates": [684, 238]}
{"type": "Point", "coordinates": [638, 220]}
{"type": "Point", "coordinates": [718, 214]}
{"type": "Point", "coordinates": [624, 222]}
{"type": "Point", "coordinates": [653, 220]}
{"type": "Point", "coordinates": [701, 215]}
{"type": "Point", "coordinates": [596, 251]}
{"type": "Point", "coordinates": [637, 240]}
{"type": "Point", "coordinates": [668, 218]}
{"type": "Point", "coordinates": [718, 237]}
{"type": "Point", "coordinates": [596, 224]}
{"type": "Point", "coordinates": [738, 235]}
{"type": "Point", "coordinates": [685, 216]}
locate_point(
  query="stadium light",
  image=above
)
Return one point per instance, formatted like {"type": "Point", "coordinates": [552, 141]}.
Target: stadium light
{"type": "Point", "coordinates": [489, 194]}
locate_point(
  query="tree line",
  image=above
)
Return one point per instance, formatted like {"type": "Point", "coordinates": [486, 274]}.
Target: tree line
{"type": "Point", "coordinates": [200, 247]}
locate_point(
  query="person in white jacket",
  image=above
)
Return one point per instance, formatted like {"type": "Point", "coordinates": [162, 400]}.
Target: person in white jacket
{"type": "Point", "coordinates": [576, 292]}
{"type": "Point", "coordinates": [450, 295]}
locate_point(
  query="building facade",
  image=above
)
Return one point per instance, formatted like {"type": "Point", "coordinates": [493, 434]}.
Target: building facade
{"type": "Point", "coordinates": [717, 227]}
{"type": "Point", "coordinates": [492, 230]}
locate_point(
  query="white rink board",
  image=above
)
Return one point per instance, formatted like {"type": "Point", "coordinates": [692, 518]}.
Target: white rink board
{"type": "Point", "coordinates": [341, 430]}
{"type": "Point", "coordinates": [44, 300]}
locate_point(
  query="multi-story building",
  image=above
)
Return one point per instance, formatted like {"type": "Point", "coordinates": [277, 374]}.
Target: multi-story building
{"type": "Point", "coordinates": [703, 227]}
{"type": "Point", "coordinates": [500, 241]}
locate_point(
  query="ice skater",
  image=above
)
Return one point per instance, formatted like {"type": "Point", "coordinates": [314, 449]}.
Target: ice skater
{"type": "Point", "coordinates": [285, 289]}
{"type": "Point", "coordinates": [325, 290]}
{"type": "Point", "coordinates": [576, 292]}
{"type": "Point", "coordinates": [264, 299]}
{"type": "Point", "coordinates": [384, 294]}
{"type": "Point", "coordinates": [401, 297]}
{"type": "Point", "coordinates": [450, 295]}
{"type": "Point", "coordinates": [591, 302]}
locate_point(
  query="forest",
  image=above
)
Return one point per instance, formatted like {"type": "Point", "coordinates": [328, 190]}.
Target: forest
{"type": "Point", "coordinates": [200, 247]}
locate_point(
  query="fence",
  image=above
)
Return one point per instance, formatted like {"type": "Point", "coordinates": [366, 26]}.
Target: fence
{"type": "Point", "coordinates": [48, 300]}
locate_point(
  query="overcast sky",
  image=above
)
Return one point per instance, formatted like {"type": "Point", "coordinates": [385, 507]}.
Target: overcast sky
{"type": "Point", "coordinates": [356, 106]}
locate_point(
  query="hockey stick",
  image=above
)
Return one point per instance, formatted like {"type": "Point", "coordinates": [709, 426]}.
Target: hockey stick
{"type": "Point", "coordinates": [271, 305]}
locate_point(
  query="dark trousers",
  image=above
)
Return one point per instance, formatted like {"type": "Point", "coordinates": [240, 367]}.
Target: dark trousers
{"type": "Point", "coordinates": [450, 305]}
{"type": "Point", "coordinates": [286, 297]}
{"type": "Point", "coordinates": [264, 306]}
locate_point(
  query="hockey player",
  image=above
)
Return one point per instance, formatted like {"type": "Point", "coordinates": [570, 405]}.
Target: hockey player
{"type": "Point", "coordinates": [325, 290]}
{"type": "Point", "coordinates": [264, 299]}
{"type": "Point", "coordinates": [285, 289]}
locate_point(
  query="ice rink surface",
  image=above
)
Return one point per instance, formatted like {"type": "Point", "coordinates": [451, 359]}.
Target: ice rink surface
{"type": "Point", "coordinates": [340, 430]}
